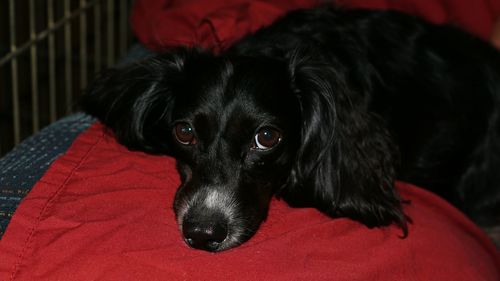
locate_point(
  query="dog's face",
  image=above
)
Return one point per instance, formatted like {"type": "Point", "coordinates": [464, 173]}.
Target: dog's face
{"type": "Point", "coordinates": [233, 126]}
{"type": "Point", "coordinates": [243, 129]}
{"type": "Point", "coordinates": [234, 131]}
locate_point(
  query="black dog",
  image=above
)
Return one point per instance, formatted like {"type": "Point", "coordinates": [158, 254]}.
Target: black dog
{"type": "Point", "coordinates": [324, 108]}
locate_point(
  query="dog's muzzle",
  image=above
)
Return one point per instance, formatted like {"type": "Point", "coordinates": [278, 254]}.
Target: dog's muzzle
{"type": "Point", "coordinates": [205, 219]}
{"type": "Point", "coordinates": [206, 232]}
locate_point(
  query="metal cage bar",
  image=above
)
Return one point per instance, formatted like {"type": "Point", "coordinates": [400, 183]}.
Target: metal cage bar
{"type": "Point", "coordinates": [94, 33]}
{"type": "Point", "coordinates": [97, 37]}
{"type": "Point", "coordinates": [67, 58]}
{"type": "Point", "coordinates": [52, 62]}
{"type": "Point", "coordinates": [123, 28]}
{"type": "Point", "coordinates": [14, 69]}
{"type": "Point", "coordinates": [44, 34]}
{"type": "Point", "coordinates": [34, 70]}
{"type": "Point", "coordinates": [110, 34]}
{"type": "Point", "coordinates": [83, 46]}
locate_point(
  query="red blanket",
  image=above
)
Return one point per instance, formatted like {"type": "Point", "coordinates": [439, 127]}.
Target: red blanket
{"type": "Point", "coordinates": [104, 213]}
{"type": "Point", "coordinates": [215, 24]}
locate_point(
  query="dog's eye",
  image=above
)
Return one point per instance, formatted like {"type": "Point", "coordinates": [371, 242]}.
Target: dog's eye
{"type": "Point", "coordinates": [266, 138]}
{"type": "Point", "coordinates": [184, 133]}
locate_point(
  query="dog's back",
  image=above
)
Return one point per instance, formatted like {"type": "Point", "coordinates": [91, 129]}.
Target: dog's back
{"type": "Point", "coordinates": [436, 88]}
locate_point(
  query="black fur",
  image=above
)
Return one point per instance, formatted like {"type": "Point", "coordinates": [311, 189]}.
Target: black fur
{"type": "Point", "coordinates": [358, 99]}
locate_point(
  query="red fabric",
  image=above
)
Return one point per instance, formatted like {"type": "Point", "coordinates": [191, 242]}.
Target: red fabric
{"type": "Point", "coordinates": [104, 213]}
{"type": "Point", "coordinates": [216, 24]}
{"type": "Point", "coordinates": [475, 16]}
{"type": "Point", "coordinates": [212, 24]}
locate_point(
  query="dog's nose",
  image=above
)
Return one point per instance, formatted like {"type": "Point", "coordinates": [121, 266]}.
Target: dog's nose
{"type": "Point", "coordinates": [204, 236]}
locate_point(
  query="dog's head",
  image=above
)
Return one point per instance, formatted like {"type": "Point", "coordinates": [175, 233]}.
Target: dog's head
{"type": "Point", "coordinates": [244, 129]}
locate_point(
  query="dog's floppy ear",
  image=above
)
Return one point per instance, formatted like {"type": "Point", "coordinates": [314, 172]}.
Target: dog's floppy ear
{"type": "Point", "coordinates": [346, 164]}
{"type": "Point", "coordinates": [135, 100]}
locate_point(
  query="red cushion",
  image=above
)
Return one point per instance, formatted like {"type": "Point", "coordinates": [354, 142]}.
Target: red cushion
{"type": "Point", "coordinates": [104, 213]}
{"type": "Point", "coordinates": [213, 24]}
{"type": "Point", "coordinates": [475, 16]}
{"type": "Point", "coordinates": [216, 24]}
